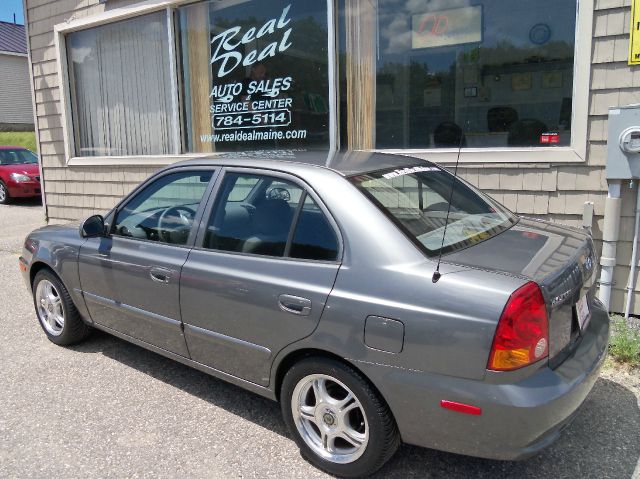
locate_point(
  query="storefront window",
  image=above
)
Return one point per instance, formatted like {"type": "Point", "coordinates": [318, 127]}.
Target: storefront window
{"type": "Point", "coordinates": [121, 88]}
{"type": "Point", "coordinates": [255, 74]}
{"type": "Point", "coordinates": [436, 74]}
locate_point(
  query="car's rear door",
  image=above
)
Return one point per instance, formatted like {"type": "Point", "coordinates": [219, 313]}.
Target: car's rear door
{"type": "Point", "coordinates": [130, 279]}
{"type": "Point", "coordinates": [264, 263]}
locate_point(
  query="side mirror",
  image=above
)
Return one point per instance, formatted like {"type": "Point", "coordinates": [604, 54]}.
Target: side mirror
{"type": "Point", "coordinates": [92, 227]}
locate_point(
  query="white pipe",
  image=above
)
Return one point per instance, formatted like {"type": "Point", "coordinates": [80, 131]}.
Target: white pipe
{"type": "Point", "coordinates": [634, 258]}
{"type": "Point", "coordinates": [610, 232]}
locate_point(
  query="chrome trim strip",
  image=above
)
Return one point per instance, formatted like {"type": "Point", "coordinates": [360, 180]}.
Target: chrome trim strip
{"type": "Point", "coordinates": [228, 339]}
{"type": "Point", "coordinates": [130, 309]}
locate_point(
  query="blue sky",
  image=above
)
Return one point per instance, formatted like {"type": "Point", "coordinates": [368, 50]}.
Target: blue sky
{"type": "Point", "coordinates": [8, 8]}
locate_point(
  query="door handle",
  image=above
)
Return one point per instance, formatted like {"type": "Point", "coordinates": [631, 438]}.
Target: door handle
{"type": "Point", "coordinates": [294, 304]}
{"type": "Point", "coordinates": [161, 275]}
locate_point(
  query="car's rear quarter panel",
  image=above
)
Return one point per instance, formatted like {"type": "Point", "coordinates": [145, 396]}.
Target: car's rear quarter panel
{"type": "Point", "coordinates": [448, 325]}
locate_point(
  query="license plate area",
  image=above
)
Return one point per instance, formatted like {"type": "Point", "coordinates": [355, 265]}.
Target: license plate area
{"type": "Point", "coordinates": [583, 313]}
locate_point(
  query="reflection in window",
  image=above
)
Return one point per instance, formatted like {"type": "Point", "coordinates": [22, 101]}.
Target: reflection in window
{"type": "Point", "coordinates": [314, 237]}
{"type": "Point", "coordinates": [165, 210]}
{"type": "Point", "coordinates": [496, 73]}
{"type": "Point", "coordinates": [259, 224]}
{"type": "Point", "coordinates": [417, 200]}
{"type": "Point", "coordinates": [255, 74]}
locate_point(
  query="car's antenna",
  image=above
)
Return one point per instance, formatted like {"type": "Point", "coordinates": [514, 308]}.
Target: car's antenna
{"type": "Point", "coordinates": [436, 274]}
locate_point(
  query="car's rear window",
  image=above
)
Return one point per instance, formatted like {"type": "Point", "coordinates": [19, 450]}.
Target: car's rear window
{"type": "Point", "coordinates": [416, 199]}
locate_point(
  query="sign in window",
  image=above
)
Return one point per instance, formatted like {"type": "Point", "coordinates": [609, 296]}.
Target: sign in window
{"type": "Point", "coordinates": [447, 27]}
{"type": "Point", "coordinates": [255, 75]}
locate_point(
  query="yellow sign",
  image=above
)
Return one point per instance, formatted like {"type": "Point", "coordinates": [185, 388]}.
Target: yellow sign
{"type": "Point", "coordinates": [634, 36]}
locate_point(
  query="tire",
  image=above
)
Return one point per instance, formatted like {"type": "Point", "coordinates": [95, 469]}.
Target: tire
{"type": "Point", "coordinates": [58, 316]}
{"type": "Point", "coordinates": [368, 422]}
{"type": "Point", "coordinates": [4, 194]}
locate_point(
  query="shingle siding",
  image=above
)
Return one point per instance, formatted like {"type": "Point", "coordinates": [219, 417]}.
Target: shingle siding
{"type": "Point", "coordinates": [15, 95]}
{"type": "Point", "coordinates": [551, 191]}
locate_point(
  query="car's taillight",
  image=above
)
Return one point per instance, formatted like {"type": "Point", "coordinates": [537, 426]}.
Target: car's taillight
{"type": "Point", "coordinates": [522, 335]}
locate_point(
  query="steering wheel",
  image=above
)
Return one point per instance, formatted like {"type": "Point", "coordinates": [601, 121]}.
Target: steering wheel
{"type": "Point", "coordinates": [175, 223]}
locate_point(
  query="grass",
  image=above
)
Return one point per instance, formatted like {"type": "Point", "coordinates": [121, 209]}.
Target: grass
{"type": "Point", "coordinates": [26, 139]}
{"type": "Point", "coordinates": [624, 344]}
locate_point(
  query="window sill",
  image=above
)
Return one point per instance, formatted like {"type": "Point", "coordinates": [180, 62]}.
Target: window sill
{"type": "Point", "coordinates": [474, 156]}
{"type": "Point", "coordinates": [133, 160]}
{"type": "Point", "coordinates": [482, 156]}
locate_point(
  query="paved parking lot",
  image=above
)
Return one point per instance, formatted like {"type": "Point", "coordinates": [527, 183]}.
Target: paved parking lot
{"type": "Point", "coordinates": [110, 409]}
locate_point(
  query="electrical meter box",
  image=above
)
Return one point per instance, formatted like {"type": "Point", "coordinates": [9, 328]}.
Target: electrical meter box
{"type": "Point", "coordinates": [623, 143]}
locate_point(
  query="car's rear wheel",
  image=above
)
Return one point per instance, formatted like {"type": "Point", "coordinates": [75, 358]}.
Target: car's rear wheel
{"type": "Point", "coordinates": [340, 423]}
{"type": "Point", "coordinates": [56, 312]}
{"type": "Point", "coordinates": [4, 194]}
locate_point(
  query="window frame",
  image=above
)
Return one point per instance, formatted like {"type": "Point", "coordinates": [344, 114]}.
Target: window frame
{"type": "Point", "coordinates": [197, 219]}
{"type": "Point", "coordinates": [575, 153]}
{"type": "Point", "coordinates": [61, 30]}
{"type": "Point", "coordinates": [307, 190]}
{"type": "Point", "coordinates": [120, 14]}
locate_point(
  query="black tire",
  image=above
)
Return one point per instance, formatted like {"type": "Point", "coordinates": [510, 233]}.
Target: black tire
{"type": "Point", "coordinates": [4, 198]}
{"type": "Point", "coordinates": [383, 436]}
{"type": "Point", "coordinates": [74, 328]}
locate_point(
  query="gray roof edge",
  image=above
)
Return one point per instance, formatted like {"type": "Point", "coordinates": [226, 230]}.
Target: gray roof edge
{"type": "Point", "coordinates": [13, 37]}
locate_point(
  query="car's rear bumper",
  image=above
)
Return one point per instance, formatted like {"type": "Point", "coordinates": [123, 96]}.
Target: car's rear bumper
{"type": "Point", "coordinates": [519, 417]}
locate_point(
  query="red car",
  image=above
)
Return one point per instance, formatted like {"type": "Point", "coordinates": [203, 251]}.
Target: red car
{"type": "Point", "coordinates": [19, 174]}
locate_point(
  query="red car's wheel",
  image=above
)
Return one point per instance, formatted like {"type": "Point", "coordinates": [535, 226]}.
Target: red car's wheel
{"type": "Point", "coordinates": [4, 194]}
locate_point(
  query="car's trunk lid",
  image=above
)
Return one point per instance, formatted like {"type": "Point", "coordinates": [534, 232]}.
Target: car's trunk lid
{"type": "Point", "coordinates": [559, 258]}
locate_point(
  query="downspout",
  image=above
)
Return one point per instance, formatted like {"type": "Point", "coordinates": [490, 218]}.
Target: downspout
{"type": "Point", "coordinates": [634, 258]}
{"type": "Point", "coordinates": [610, 235]}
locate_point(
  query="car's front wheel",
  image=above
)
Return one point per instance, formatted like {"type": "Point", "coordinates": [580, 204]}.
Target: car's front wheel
{"type": "Point", "coordinates": [340, 423]}
{"type": "Point", "coordinates": [4, 194]}
{"type": "Point", "coordinates": [56, 312]}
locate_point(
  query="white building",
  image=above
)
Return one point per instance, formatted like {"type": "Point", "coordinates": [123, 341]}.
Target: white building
{"type": "Point", "coordinates": [16, 107]}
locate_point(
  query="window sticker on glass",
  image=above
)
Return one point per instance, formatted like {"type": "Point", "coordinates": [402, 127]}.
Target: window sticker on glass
{"type": "Point", "coordinates": [408, 171]}
{"type": "Point", "coordinates": [447, 27]}
{"type": "Point", "coordinates": [267, 68]}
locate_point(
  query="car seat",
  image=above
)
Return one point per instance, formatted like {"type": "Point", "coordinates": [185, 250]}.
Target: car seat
{"type": "Point", "coordinates": [271, 224]}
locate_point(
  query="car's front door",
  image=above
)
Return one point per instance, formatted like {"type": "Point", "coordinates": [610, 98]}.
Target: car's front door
{"type": "Point", "coordinates": [260, 274]}
{"type": "Point", "coordinates": [131, 278]}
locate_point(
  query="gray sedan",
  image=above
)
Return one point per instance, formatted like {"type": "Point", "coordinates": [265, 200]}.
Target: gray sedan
{"type": "Point", "coordinates": [380, 299]}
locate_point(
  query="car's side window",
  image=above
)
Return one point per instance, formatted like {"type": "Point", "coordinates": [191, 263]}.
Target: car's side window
{"type": "Point", "coordinates": [164, 211]}
{"type": "Point", "coordinates": [314, 238]}
{"type": "Point", "coordinates": [260, 224]}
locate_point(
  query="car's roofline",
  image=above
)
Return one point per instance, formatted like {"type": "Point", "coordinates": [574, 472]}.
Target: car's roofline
{"type": "Point", "coordinates": [343, 163]}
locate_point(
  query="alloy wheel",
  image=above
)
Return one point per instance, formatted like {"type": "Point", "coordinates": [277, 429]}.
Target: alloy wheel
{"type": "Point", "coordinates": [330, 418]}
{"type": "Point", "coordinates": [3, 193]}
{"type": "Point", "coordinates": [50, 307]}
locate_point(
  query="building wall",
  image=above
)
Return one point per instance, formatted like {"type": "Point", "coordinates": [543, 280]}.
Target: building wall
{"type": "Point", "coordinates": [15, 94]}
{"type": "Point", "coordinates": [553, 192]}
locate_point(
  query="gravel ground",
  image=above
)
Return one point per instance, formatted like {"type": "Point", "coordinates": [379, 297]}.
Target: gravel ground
{"type": "Point", "coordinates": [107, 408]}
